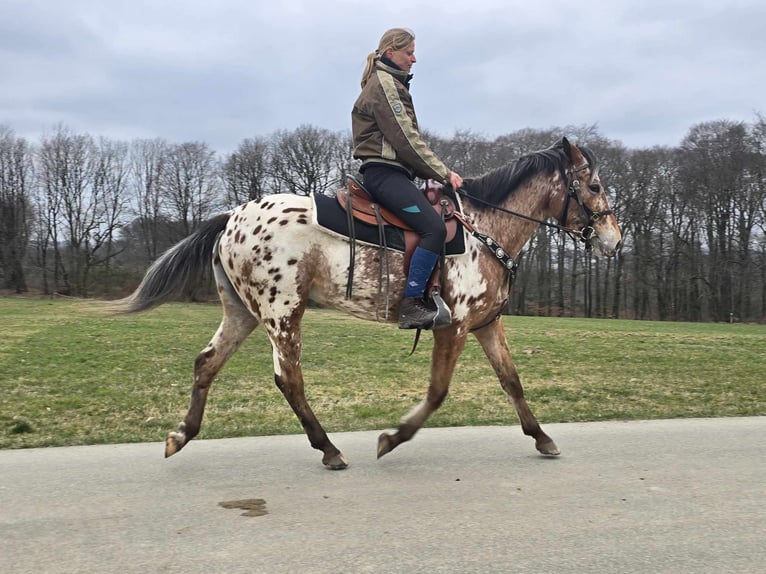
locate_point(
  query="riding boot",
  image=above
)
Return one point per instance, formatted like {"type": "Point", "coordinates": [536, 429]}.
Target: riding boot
{"type": "Point", "coordinates": [414, 311]}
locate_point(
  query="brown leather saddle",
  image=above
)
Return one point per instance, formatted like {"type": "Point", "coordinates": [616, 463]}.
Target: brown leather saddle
{"type": "Point", "coordinates": [364, 208]}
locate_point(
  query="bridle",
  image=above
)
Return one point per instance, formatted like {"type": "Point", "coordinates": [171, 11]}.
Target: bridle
{"type": "Point", "coordinates": [571, 175]}
{"type": "Point", "coordinates": [573, 192]}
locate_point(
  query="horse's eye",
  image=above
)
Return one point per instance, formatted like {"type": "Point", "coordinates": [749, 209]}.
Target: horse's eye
{"type": "Point", "coordinates": [595, 188]}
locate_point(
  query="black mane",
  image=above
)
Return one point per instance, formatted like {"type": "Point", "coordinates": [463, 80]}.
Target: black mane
{"type": "Point", "coordinates": [494, 186]}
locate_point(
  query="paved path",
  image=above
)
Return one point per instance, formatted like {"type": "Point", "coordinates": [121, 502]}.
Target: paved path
{"type": "Point", "coordinates": [682, 496]}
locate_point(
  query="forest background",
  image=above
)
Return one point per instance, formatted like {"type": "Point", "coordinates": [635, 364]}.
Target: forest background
{"type": "Point", "coordinates": [84, 216]}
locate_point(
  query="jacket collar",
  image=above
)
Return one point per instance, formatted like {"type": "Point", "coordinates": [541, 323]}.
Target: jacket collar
{"type": "Point", "coordinates": [388, 66]}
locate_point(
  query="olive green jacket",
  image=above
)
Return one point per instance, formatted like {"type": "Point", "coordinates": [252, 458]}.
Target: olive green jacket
{"type": "Point", "coordinates": [385, 128]}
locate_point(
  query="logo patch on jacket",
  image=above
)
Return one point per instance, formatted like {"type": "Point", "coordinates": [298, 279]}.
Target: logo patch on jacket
{"type": "Point", "coordinates": [397, 108]}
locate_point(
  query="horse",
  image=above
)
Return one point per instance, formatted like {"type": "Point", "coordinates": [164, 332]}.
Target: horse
{"type": "Point", "coordinates": [270, 259]}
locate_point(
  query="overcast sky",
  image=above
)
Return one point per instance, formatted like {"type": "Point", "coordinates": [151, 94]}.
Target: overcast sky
{"type": "Point", "coordinates": [643, 71]}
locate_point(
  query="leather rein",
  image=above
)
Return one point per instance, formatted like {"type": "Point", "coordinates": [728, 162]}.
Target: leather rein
{"type": "Point", "coordinates": [585, 234]}
{"type": "Point", "coordinates": [573, 187]}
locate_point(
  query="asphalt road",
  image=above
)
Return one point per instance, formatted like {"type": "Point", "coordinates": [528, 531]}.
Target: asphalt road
{"type": "Point", "coordinates": [685, 496]}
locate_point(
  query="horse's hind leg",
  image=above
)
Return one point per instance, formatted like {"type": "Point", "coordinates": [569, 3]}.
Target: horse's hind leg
{"type": "Point", "coordinates": [288, 376]}
{"type": "Point", "coordinates": [492, 339]}
{"type": "Point", "coordinates": [236, 325]}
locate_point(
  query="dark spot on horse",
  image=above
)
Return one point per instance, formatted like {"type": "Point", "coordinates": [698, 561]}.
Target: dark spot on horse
{"type": "Point", "coordinates": [292, 261]}
{"type": "Point", "coordinates": [302, 220]}
{"type": "Point", "coordinates": [217, 259]}
{"type": "Point", "coordinates": [271, 323]}
{"type": "Point", "coordinates": [474, 255]}
{"type": "Point", "coordinates": [294, 209]}
{"type": "Point", "coordinates": [273, 291]}
{"type": "Point", "coordinates": [238, 237]}
{"type": "Point", "coordinates": [230, 262]}
{"type": "Point", "coordinates": [278, 277]}
{"type": "Point", "coordinates": [284, 222]}
{"type": "Point", "coordinates": [257, 229]}
{"type": "Point", "coordinates": [253, 303]}
{"type": "Point", "coordinates": [271, 220]}
{"type": "Point", "coordinates": [267, 238]}
{"type": "Point", "coordinates": [247, 268]}
{"type": "Point", "coordinates": [229, 232]}
{"type": "Point", "coordinates": [268, 256]}
{"type": "Point", "coordinates": [285, 325]}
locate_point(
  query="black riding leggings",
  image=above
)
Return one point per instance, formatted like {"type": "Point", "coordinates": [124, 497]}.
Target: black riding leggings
{"type": "Point", "coordinates": [395, 191]}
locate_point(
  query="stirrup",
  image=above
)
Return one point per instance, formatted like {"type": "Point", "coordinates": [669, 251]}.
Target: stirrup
{"type": "Point", "coordinates": [443, 314]}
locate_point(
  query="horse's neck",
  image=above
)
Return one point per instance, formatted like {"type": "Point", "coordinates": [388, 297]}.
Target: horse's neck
{"type": "Point", "coordinates": [532, 199]}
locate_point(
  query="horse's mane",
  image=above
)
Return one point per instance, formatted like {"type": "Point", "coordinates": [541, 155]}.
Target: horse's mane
{"type": "Point", "coordinates": [494, 186]}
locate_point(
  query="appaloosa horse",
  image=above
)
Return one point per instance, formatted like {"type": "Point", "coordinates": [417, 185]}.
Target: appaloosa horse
{"type": "Point", "coordinates": [270, 258]}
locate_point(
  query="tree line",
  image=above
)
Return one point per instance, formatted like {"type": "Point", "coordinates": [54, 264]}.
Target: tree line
{"type": "Point", "coordinates": [84, 216]}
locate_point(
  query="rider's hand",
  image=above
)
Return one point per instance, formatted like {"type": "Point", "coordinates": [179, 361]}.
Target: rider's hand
{"type": "Point", "coordinates": [455, 180]}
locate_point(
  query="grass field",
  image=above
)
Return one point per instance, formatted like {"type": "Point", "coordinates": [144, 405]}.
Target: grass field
{"type": "Point", "coordinates": [70, 376]}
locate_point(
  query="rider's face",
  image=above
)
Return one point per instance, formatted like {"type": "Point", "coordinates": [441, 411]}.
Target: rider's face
{"type": "Point", "coordinates": [403, 58]}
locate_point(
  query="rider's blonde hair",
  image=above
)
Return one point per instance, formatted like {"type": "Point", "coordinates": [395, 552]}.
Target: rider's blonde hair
{"type": "Point", "coordinates": [395, 38]}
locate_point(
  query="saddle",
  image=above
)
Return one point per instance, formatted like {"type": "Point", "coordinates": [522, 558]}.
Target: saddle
{"type": "Point", "coordinates": [360, 205]}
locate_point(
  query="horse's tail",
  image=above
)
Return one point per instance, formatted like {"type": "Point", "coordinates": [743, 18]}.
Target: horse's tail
{"type": "Point", "coordinates": [177, 270]}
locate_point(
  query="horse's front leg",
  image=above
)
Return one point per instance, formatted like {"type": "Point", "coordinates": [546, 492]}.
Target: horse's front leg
{"type": "Point", "coordinates": [448, 344]}
{"type": "Point", "coordinates": [493, 341]}
{"type": "Point", "coordinates": [288, 376]}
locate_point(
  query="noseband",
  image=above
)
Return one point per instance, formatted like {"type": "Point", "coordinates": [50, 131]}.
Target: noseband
{"type": "Point", "coordinates": [573, 192]}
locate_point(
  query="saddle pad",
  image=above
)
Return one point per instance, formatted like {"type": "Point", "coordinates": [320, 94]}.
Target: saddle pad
{"type": "Point", "coordinates": [331, 217]}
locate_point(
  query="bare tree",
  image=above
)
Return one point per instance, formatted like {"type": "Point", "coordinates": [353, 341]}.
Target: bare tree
{"type": "Point", "coordinates": [111, 169]}
{"type": "Point", "coordinates": [148, 159]}
{"type": "Point", "coordinates": [303, 160]}
{"type": "Point", "coordinates": [82, 185]}
{"type": "Point", "coordinates": [190, 185]}
{"type": "Point", "coordinates": [246, 172]}
{"type": "Point", "coordinates": [15, 208]}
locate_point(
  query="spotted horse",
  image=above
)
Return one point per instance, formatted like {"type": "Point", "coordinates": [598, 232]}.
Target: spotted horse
{"type": "Point", "coordinates": [270, 259]}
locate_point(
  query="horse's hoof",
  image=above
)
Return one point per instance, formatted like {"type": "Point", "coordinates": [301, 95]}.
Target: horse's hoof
{"type": "Point", "coordinates": [337, 462]}
{"type": "Point", "coordinates": [174, 443]}
{"type": "Point", "coordinates": [385, 444]}
{"type": "Point", "coordinates": [547, 447]}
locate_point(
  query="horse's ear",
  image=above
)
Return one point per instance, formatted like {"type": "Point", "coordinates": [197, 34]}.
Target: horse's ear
{"type": "Point", "coordinates": [567, 147]}
{"type": "Point", "coordinates": [575, 155]}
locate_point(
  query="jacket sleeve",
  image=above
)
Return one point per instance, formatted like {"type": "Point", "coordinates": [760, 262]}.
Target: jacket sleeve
{"type": "Point", "coordinates": [399, 130]}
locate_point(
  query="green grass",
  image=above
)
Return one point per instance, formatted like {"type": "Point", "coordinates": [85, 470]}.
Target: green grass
{"type": "Point", "coordinates": [69, 375]}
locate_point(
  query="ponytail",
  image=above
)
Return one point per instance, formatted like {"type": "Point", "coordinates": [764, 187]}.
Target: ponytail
{"type": "Point", "coordinates": [369, 67]}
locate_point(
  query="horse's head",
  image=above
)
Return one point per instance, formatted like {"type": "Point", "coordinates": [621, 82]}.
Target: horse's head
{"type": "Point", "coordinates": [586, 208]}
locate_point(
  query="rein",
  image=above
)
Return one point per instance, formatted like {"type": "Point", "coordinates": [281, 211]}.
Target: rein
{"type": "Point", "coordinates": [584, 234]}
{"type": "Point", "coordinates": [573, 187]}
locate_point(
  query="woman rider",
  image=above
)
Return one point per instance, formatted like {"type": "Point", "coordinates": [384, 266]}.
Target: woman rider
{"type": "Point", "coordinates": [393, 153]}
